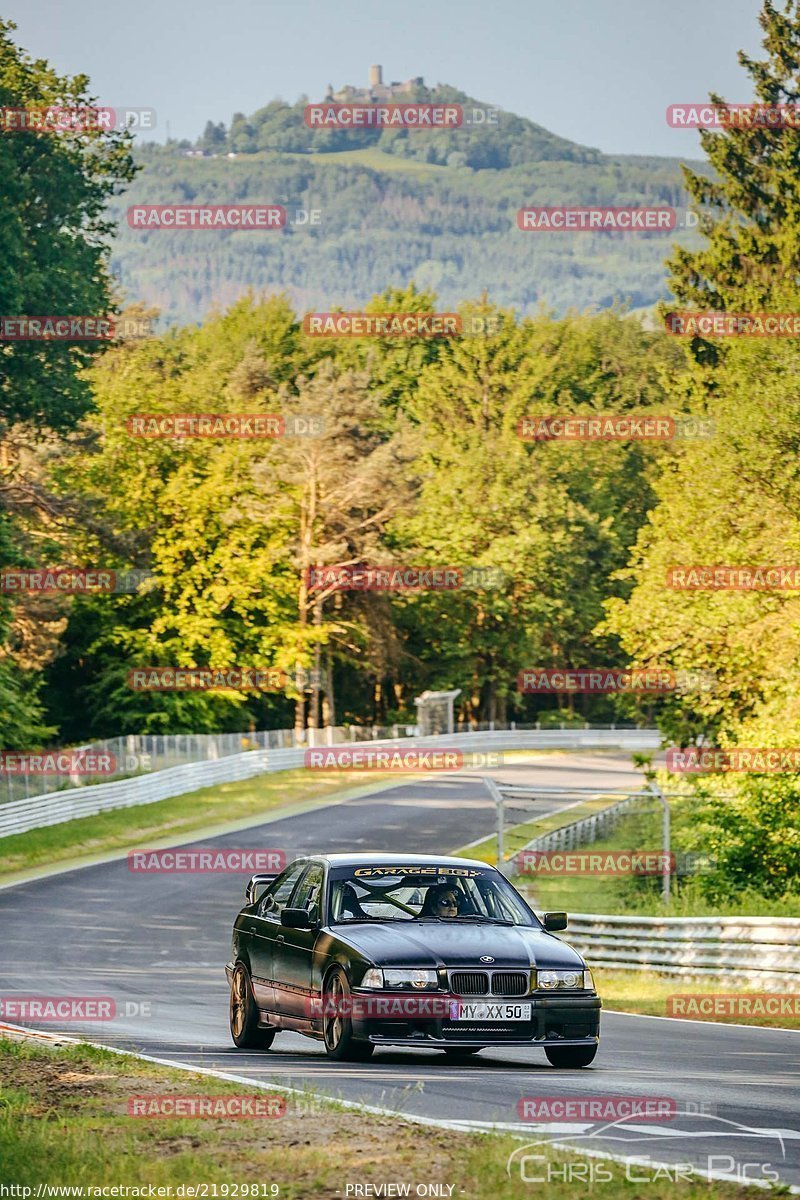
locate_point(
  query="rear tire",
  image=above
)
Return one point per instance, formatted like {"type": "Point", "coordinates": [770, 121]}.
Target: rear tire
{"type": "Point", "coordinates": [571, 1057]}
{"type": "Point", "coordinates": [340, 1045]}
{"type": "Point", "coordinates": [243, 1013]}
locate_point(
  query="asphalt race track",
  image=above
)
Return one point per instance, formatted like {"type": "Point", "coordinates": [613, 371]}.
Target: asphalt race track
{"type": "Point", "coordinates": [157, 944]}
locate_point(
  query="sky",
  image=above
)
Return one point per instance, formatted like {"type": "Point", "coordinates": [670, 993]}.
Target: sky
{"type": "Point", "coordinates": [598, 72]}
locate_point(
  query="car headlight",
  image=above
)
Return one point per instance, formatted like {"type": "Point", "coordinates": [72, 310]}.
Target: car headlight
{"type": "Point", "coordinates": [416, 979]}
{"type": "Point", "coordinates": [373, 978]}
{"type": "Point", "coordinates": [561, 980]}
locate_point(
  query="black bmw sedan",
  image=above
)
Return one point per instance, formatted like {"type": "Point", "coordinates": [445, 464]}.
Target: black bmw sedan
{"type": "Point", "coordinates": [366, 950]}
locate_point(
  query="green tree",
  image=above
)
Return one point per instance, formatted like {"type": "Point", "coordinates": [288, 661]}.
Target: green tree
{"type": "Point", "coordinates": [53, 245]}
{"type": "Point", "coordinates": [53, 237]}
{"type": "Point", "coordinates": [749, 203]}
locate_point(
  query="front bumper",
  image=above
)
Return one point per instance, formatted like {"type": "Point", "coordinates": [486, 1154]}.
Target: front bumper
{"type": "Point", "coordinates": [555, 1021]}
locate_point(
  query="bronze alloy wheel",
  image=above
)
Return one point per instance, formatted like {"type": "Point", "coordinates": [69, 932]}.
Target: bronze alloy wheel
{"type": "Point", "coordinates": [337, 1028]}
{"type": "Point", "coordinates": [245, 1031]}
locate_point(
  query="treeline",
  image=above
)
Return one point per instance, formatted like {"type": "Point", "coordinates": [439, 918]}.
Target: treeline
{"type": "Point", "coordinates": [418, 462]}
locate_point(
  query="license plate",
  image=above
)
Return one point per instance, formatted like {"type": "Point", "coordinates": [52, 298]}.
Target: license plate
{"type": "Point", "coordinates": [461, 1010]}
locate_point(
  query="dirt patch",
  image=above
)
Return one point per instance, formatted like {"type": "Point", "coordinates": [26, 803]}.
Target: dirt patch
{"type": "Point", "coordinates": [370, 1147]}
{"type": "Point", "coordinates": [49, 1083]}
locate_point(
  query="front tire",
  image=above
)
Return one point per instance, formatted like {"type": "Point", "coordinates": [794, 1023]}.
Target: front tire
{"type": "Point", "coordinates": [337, 1030]}
{"type": "Point", "coordinates": [571, 1057]}
{"type": "Point", "coordinates": [243, 1013]}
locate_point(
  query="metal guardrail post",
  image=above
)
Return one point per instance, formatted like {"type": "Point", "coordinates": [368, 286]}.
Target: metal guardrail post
{"type": "Point", "coordinates": [667, 872]}
{"type": "Point", "coordinates": [497, 797]}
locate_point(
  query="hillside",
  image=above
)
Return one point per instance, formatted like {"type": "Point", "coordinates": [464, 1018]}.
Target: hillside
{"type": "Point", "coordinates": [435, 206]}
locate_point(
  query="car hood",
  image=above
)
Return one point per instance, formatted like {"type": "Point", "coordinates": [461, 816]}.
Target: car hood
{"type": "Point", "coordinates": [457, 944]}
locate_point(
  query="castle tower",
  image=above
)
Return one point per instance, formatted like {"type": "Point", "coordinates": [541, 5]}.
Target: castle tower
{"type": "Point", "coordinates": [375, 76]}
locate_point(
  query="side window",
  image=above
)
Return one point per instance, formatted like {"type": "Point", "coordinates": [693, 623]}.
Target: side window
{"type": "Point", "coordinates": [308, 893]}
{"type": "Point", "coordinates": [276, 898]}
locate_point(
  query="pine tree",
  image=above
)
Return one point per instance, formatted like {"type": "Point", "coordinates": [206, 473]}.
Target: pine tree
{"type": "Point", "coordinates": [750, 208]}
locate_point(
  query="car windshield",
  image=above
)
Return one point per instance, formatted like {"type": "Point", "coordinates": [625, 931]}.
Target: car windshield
{"type": "Point", "coordinates": [389, 893]}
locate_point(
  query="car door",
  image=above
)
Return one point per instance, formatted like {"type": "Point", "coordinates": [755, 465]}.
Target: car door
{"type": "Point", "coordinates": [263, 927]}
{"type": "Point", "coordinates": [294, 949]}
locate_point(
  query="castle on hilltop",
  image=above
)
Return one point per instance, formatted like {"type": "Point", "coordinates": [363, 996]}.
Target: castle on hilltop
{"type": "Point", "coordinates": [377, 90]}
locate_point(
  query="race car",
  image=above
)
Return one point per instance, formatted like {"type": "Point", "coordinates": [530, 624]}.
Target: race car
{"type": "Point", "coordinates": [367, 950]}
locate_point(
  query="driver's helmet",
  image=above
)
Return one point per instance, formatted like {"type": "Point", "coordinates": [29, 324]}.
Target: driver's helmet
{"type": "Point", "coordinates": [442, 901]}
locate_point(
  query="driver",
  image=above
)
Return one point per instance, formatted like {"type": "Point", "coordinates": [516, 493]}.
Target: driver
{"type": "Point", "coordinates": [442, 901]}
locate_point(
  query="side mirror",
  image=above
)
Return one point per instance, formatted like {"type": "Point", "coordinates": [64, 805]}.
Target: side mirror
{"type": "Point", "coordinates": [555, 921]}
{"type": "Point", "coordinates": [295, 918]}
{"type": "Point", "coordinates": [258, 883]}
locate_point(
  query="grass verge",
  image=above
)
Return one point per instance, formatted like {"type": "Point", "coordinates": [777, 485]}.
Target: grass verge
{"type": "Point", "coordinates": [64, 1122]}
{"type": "Point", "coordinates": [646, 993]}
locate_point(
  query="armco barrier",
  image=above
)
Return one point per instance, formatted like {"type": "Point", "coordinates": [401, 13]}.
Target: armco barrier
{"type": "Point", "coordinates": [18, 816]}
{"type": "Point", "coordinates": [764, 951]}
{"type": "Point", "coordinates": [588, 829]}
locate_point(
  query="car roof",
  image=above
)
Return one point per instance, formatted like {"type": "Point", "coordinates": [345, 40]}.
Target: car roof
{"type": "Point", "coordinates": [405, 860]}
